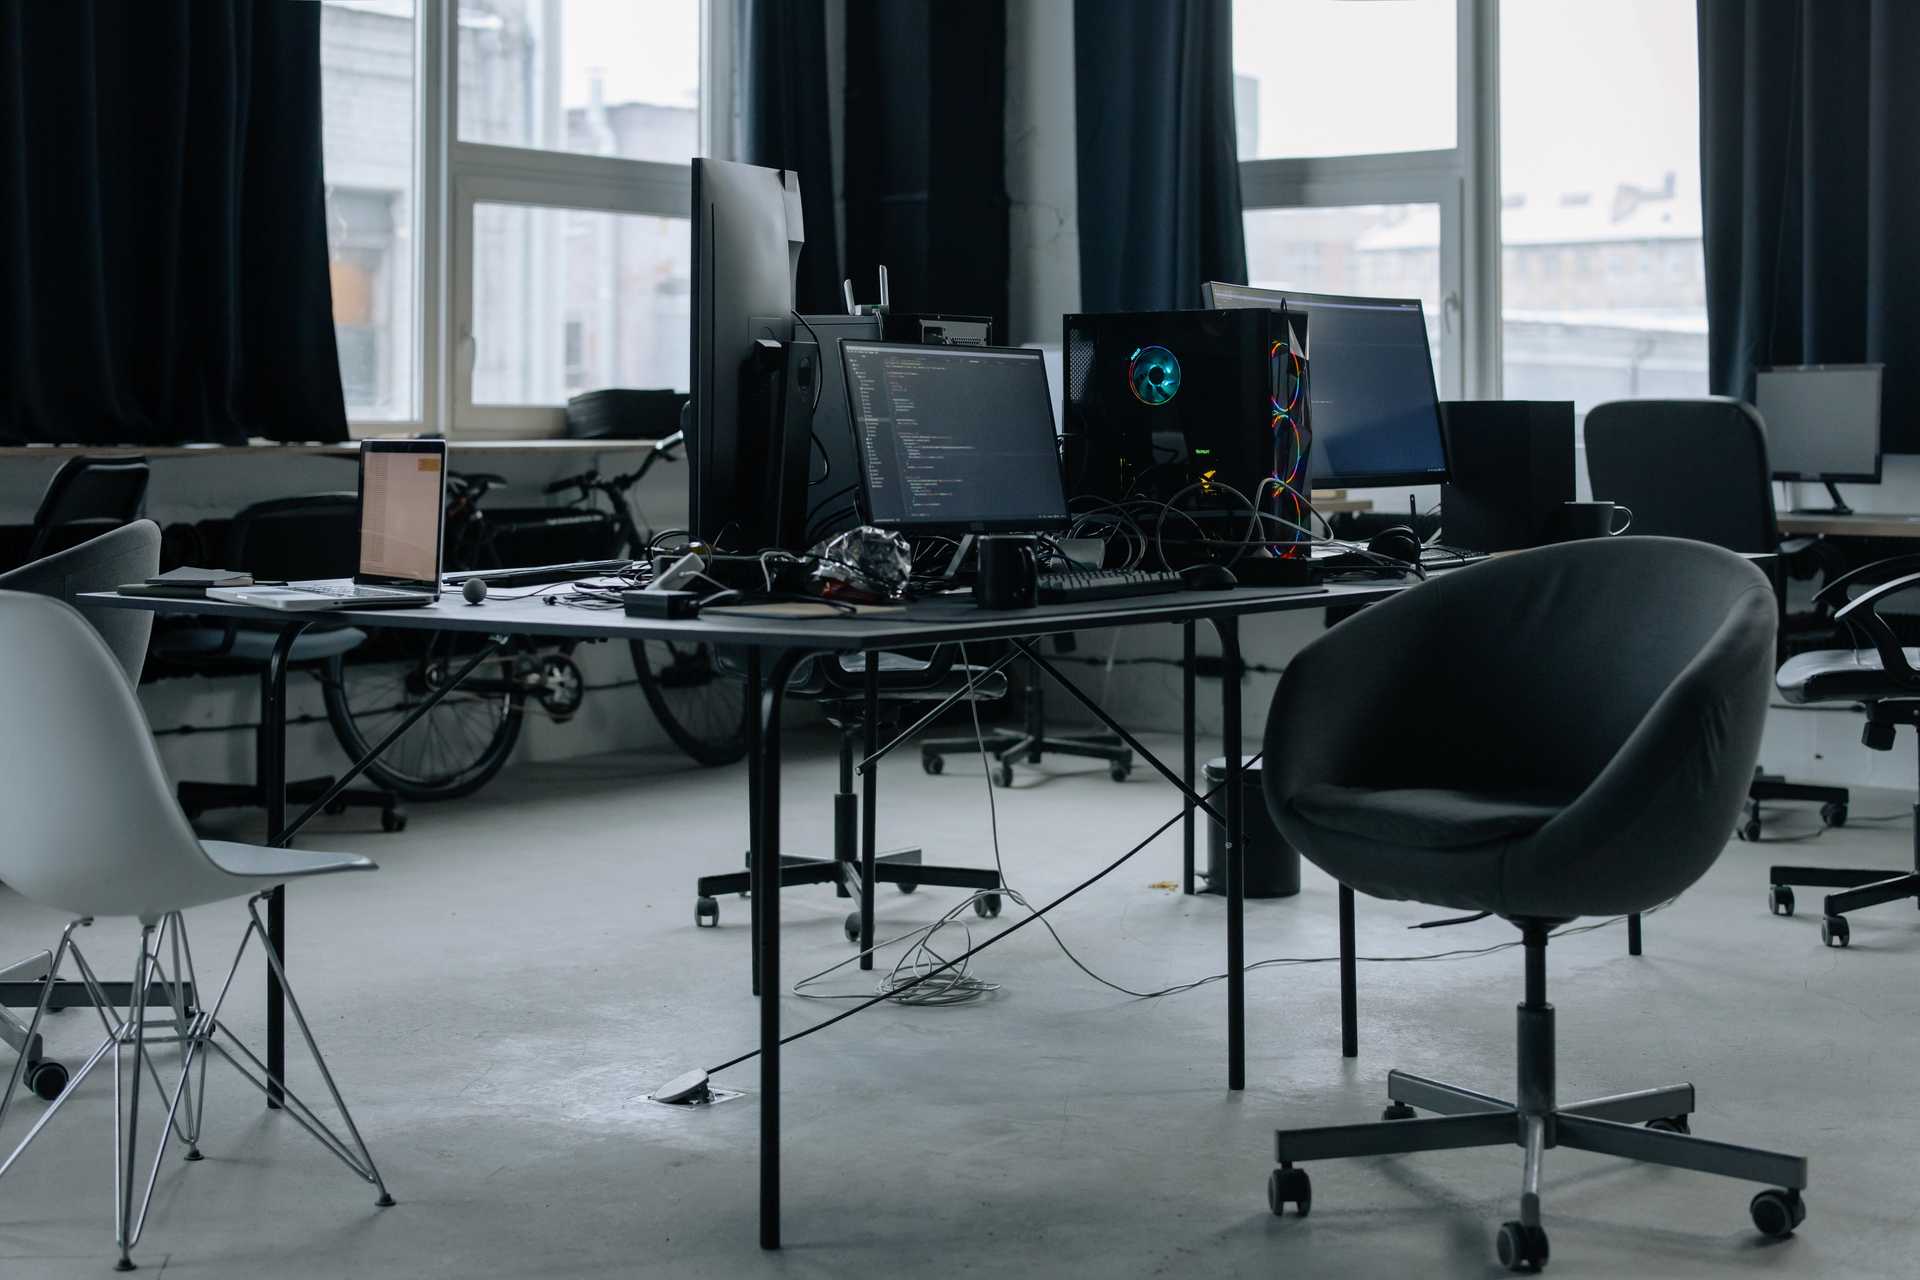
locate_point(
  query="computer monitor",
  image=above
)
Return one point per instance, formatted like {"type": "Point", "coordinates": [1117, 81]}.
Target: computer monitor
{"type": "Point", "coordinates": [746, 253]}
{"type": "Point", "coordinates": [1823, 422]}
{"type": "Point", "coordinates": [956, 439]}
{"type": "Point", "coordinates": [1375, 409]}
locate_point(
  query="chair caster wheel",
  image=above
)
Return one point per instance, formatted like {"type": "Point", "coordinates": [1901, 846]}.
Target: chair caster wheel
{"type": "Point", "coordinates": [706, 913]}
{"type": "Point", "coordinates": [47, 1079]}
{"type": "Point", "coordinates": [1398, 1111]}
{"type": "Point", "coordinates": [1670, 1124]}
{"type": "Point", "coordinates": [907, 886]}
{"type": "Point", "coordinates": [852, 926]}
{"type": "Point", "coordinates": [1780, 901]}
{"type": "Point", "coordinates": [1289, 1186]}
{"type": "Point", "coordinates": [392, 820]}
{"type": "Point", "coordinates": [987, 906]}
{"type": "Point", "coordinates": [1750, 830]}
{"type": "Point", "coordinates": [1005, 775]}
{"type": "Point", "coordinates": [1833, 815]}
{"type": "Point", "coordinates": [1834, 931]}
{"type": "Point", "coordinates": [1120, 772]}
{"type": "Point", "coordinates": [935, 765]}
{"type": "Point", "coordinates": [1776, 1213]}
{"type": "Point", "coordinates": [335, 808]}
{"type": "Point", "coordinates": [1521, 1247]}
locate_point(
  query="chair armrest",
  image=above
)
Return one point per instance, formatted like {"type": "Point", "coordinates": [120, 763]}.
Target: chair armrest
{"type": "Point", "coordinates": [1835, 591]}
{"type": "Point", "coordinates": [1861, 611]}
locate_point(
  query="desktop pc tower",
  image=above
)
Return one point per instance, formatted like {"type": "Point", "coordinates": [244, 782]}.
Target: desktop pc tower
{"type": "Point", "coordinates": [1511, 469]}
{"type": "Point", "coordinates": [1200, 412]}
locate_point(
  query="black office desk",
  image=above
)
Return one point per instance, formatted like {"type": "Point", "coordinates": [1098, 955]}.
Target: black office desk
{"type": "Point", "coordinates": [773, 646]}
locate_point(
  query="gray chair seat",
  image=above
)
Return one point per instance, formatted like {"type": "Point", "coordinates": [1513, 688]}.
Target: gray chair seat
{"type": "Point", "coordinates": [252, 646]}
{"type": "Point", "coordinates": [1841, 675]}
{"type": "Point", "coordinates": [261, 862]}
{"type": "Point", "coordinates": [1428, 817]}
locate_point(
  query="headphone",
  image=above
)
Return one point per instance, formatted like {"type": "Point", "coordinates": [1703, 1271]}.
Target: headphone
{"type": "Point", "coordinates": [1397, 543]}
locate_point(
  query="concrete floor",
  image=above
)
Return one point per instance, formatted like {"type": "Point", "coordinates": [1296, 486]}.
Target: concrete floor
{"type": "Point", "coordinates": [497, 999]}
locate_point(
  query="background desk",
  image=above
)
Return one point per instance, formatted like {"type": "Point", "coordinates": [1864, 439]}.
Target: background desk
{"type": "Point", "coordinates": [1855, 524]}
{"type": "Point", "coordinates": [773, 646]}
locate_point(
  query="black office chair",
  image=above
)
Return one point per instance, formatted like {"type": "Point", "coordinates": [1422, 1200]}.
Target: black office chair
{"type": "Point", "coordinates": [85, 498]}
{"type": "Point", "coordinates": [1557, 733]}
{"type": "Point", "coordinates": [1698, 469]}
{"type": "Point", "coordinates": [312, 536]}
{"type": "Point", "coordinates": [1884, 678]}
{"type": "Point", "coordinates": [838, 683]}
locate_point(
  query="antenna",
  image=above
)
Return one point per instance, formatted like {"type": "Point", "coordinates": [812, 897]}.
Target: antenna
{"type": "Point", "coordinates": [879, 308]}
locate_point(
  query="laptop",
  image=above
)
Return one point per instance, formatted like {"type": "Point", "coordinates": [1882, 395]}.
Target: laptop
{"type": "Point", "coordinates": [403, 505]}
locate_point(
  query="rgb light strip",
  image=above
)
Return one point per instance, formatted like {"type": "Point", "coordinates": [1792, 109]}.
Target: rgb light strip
{"type": "Point", "coordinates": [1287, 383]}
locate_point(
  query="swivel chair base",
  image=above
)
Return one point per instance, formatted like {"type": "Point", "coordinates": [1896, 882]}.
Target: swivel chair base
{"type": "Point", "coordinates": [901, 867]}
{"type": "Point", "coordinates": [1864, 887]}
{"type": "Point", "coordinates": [1772, 786]}
{"type": "Point", "coordinates": [1609, 1125]}
{"type": "Point", "coordinates": [197, 798]}
{"type": "Point", "coordinates": [1029, 744]}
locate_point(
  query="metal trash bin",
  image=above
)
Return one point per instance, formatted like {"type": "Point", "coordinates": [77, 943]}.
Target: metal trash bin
{"type": "Point", "coordinates": [1272, 865]}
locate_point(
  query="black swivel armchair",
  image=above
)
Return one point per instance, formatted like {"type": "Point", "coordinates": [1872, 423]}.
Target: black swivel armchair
{"type": "Point", "coordinates": [312, 536]}
{"type": "Point", "coordinates": [1698, 469]}
{"type": "Point", "coordinates": [1884, 679]}
{"type": "Point", "coordinates": [1563, 732]}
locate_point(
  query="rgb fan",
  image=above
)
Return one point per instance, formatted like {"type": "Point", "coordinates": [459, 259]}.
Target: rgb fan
{"type": "Point", "coordinates": [1153, 374]}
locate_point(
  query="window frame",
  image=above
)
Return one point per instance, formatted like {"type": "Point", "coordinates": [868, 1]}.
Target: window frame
{"type": "Point", "coordinates": [451, 177]}
{"type": "Point", "coordinates": [1463, 181]}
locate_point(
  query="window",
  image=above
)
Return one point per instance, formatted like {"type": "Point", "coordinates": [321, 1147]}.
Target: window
{"type": "Point", "coordinates": [1382, 77]}
{"type": "Point", "coordinates": [1612, 195]}
{"type": "Point", "coordinates": [1352, 169]}
{"type": "Point", "coordinates": [368, 138]}
{"type": "Point", "coordinates": [507, 186]}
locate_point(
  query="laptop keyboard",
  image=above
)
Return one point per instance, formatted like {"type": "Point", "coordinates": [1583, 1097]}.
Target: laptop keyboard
{"type": "Point", "coordinates": [351, 591]}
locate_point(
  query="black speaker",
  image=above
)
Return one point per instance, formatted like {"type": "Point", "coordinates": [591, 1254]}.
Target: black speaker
{"type": "Point", "coordinates": [1512, 467]}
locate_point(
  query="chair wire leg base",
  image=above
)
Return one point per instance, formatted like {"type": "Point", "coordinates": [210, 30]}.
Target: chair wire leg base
{"type": "Point", "coordinates": [198, 1033]}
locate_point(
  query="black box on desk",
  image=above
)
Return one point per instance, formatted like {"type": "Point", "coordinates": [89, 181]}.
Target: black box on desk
{"type": "Point", "coordinates": [1512, 467]}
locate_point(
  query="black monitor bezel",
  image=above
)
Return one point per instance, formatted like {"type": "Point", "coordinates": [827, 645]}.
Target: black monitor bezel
{"type": "Point", "coordinates": [1022, 525]}
{"type": "Point", "coordinates": [1307, 301]}
{"type": "Point", "coordinates": [1879, 437]}
{"type": "Point", "coordinates": [360, 578]}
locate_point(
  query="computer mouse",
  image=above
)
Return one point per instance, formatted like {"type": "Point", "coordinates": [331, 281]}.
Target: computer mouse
{"type": "Point", "coordinates": [1398, 543]}
{"type": "Point", "coordinates": [1209, 577]}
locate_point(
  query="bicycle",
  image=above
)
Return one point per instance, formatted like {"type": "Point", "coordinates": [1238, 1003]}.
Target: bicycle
{"type": "Point", "coordinates": [468, 737]}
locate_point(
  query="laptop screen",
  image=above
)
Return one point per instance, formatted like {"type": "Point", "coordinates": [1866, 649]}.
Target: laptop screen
{"type": "Point", "coordinates": [402, 498]}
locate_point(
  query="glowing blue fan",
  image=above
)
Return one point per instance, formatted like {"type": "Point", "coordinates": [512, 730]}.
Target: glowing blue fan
{"type": "Point", "coordinates": [1154, 375]}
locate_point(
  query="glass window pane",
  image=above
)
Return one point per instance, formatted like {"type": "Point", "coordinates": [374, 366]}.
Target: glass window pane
{"type": "Point", "coordinates": [594, 77]}
{"type": "Point", "coordinates": [1603, 281]}
{"type": "Point", "coordinates": [1320, 78]}
{"type": "Point", "coordinates": [1370, 251]}
{"type": "Point", "coordinates": [619, 317]}
{"type": "Point", "coordinates": [367, 121]}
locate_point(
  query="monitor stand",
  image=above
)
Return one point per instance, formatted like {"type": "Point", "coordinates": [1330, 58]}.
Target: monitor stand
{"type": "Point", "coordinates": [1839, 507]}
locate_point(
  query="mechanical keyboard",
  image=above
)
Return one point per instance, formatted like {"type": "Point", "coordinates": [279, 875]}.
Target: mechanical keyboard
{"type": "Point", "coordinates": [1106, 584]}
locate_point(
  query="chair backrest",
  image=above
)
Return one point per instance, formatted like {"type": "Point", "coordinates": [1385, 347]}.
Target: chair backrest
{"type": "Point", "coordinates": [88, 496]}
{"type": "Point", "coordinates": [1688, 468]}
{"type": "Point", "coordinates": [315, 535]}
{"type": "Point", "coordinates": [130, 553]}
{"type": "Point", "coordinates": [92, 826]}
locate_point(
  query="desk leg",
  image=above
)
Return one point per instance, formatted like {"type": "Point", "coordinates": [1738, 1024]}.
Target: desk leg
{"type": "Point", "coordinates": [766, 864]}
{"type": "Point", "coordinates": [1229, 629]}
{"type": "Point", "coordinates": [1186, 743]}
{"type": "Point", "coordinates": [869, 812]}
{"type": "Point", "coordinates": [755, 805]}
{"type": "Point", "coordinates": [271, 773]}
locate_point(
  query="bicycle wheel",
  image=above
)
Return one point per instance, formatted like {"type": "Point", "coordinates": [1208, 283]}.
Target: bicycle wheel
{"type": "Point", "coordinates": [703, 709]}
{"type": "Point", "coordinates": [453, 749]}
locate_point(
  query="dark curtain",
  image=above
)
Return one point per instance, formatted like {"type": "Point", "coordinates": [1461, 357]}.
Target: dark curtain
{"type": "Point", "coordinates": [1159, 178]}
{"type": "Point", "coordinates": [785, 125]}
{"type": "Point", "coordinates": [1810, 174]}
{"type": "Point", "coordinates": [926, 154]}
{"type": "Point", "coordinates": [163, 252]}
